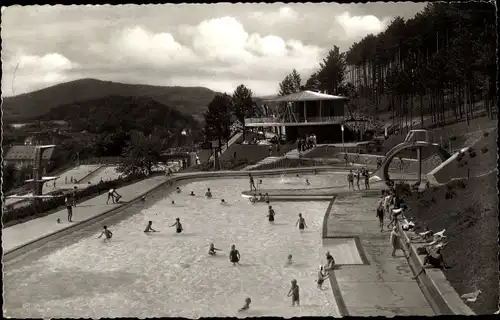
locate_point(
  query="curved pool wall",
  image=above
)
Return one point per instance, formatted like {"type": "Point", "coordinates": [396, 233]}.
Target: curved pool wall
{"type": "Point", "coordinates": [321, 304]}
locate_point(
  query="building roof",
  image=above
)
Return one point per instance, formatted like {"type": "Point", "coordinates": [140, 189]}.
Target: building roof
{"type": "Point", "coordinates": [26, 153]}
{"type": "Point", "coordinates": [306, 96]}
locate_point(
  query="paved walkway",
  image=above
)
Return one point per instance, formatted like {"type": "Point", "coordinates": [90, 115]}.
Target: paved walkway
{"type": "Point", "coordinates": [385, 286]}
{"type": "Point", "coordinates": [23, 233]}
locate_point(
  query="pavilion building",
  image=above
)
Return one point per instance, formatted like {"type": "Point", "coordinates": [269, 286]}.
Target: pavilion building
{"type": "Point", "coordinates": [304, 113]}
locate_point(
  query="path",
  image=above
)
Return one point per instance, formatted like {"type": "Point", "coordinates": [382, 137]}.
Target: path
{"type": "Point", "coordinates": [25, 232]}
{"type": "Point", "coordinates": [385, 286]}
{"type": "Point", "coordinates": [292, 154]}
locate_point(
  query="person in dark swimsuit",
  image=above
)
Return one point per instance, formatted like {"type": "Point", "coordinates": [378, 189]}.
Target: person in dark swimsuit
{"type": "Point", "coordinates": [294, 293]}
{"type": "Point", "coordinates": [247, 305]}
{"type": "Point", "coordinates": [149, 227]}
{"type": "Point", "coordinates": [271, 214]}
{"type": "Point", "coordinates": [192, 193]}
{"type": "Point", "coordinates": [266, 198]}
{"type": "Point", "coordinates": [178, 190]}
{"type": "Point", "coordinates": [234, 255]}
{"type": "Point", "coordinates": [301, 222]}
{"type": "Point", "coordinates": [322, 276]}
{"type": "Point", "coordinates": [222, 201]}
{"type": "Point", "coordinates": [252, 182]}
{"type": "Point", "coordinates": [177, 225]}
{"type": "Point", "coordinates": [350, 180]}
{"type": "Point", "coordinates": [208, 194]}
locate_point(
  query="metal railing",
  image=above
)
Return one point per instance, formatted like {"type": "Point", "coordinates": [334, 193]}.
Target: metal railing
{"type": "Point", "coordinates": [337, 119]}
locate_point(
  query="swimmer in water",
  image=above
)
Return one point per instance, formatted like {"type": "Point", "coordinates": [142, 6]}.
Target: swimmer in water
{"type": "Point", "coordinates": [178, 190]}
{"type": "Point", "coordinates": [149, 227]}
{"type": "Point", "coordinates": [106, 233]}
{"type": "Point", "coordinates": [297, 175]}
{"type": "Point", "coordinates": [208, 194]}
{"type": "Point", "coordinates": [234, 255]}
{"type": "Point", "coordinates": [322, 276]}
{"type": "Point", "coordinates": [301, 222]}
{"type": "Point", "coordinates": [307, 182]}
{"type": "Point", "coordinates": [222, 201]}
{"type": "Point", "coordinates": [271, 214]}
{"type": "Point", "coordinates": [253, 199]}
{"type": "Point", "coordinates": [173, 202]}
{"type": "Point", "coordinates": [212, 250]}
{"type": "Point", "coordinates": [289, 260]}
{"type": "Point", "coordinates": [58, 220]}
{"type": "Point", "coordinates": [294, 293]}
{"type": "Point", "coordinates": [247, 305]}
{"type": "Point", "coordinates": [192, 193]}
{"type": "Point", "coordinates": [177, 225]}
{"type": "Point", "coordinates": [261, 197]}
{"type": "Point", "coordinates": [266, 197]}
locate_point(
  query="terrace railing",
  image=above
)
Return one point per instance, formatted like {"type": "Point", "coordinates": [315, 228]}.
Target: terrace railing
{"type": "Point", "coordinates": [338, 119]}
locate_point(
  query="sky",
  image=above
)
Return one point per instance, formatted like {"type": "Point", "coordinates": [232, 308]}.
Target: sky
{"type": "Point", "coordinates": [218, 46]}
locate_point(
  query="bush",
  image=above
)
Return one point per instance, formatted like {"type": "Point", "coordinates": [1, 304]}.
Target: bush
{"type": "Point", "coordinates": [57, 203]}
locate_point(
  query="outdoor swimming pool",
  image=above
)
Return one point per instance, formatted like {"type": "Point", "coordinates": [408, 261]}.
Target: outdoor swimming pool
{"type": "Point", "coordinates": [169, 274]}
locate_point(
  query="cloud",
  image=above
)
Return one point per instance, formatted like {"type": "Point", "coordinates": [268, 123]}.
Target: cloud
{"type": "Point", "coordinates": [219, 46]}
{"type": "Point", "coordinates": [359, 26]}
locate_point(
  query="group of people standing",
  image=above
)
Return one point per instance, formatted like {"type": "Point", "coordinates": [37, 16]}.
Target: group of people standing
{"type": "Point", "coordinates": [306, 143]}
{"type": "Point", "coordinates": [361, 172]}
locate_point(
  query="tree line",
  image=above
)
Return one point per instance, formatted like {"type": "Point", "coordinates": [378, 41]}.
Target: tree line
{"type": "Point", "coordinates": [439, 62]}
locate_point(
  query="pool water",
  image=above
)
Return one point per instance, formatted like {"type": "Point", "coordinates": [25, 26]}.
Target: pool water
{"type": "Point", "coordinates": [169, 274]}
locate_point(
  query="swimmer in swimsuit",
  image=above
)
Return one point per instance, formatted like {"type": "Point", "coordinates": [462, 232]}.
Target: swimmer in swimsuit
{"type": "Point", "coordinates": [253, 199]}
{"type": "Point", "coordinates": [294, 293]}
{"type": "Point", "coordinates": [289, 260]}
{"type": "Point", "coordinates": [177, 225]}
{"type": "Point", "coordinates": [266, 197]}
{"type": "Point", "coordinates": [208, 194]}
{"type": "Point", "coordinates": [178, 190]}
{"type": "Point", "coordinates": [261, 197]}
{"type": "Point", "coordinates": [271, 214]}
{"type": "Point", "coordinates": [149, 227]}
{"type": "Point", "coordinates": [307, 182]}
{"type": "Point", "coordinates": [322, 276]}
{"type": "Point", "coordinates": [173, 202]}
{"type": "Point", "coordinates": [247, 305]}
{"type": "Point", "coordinates": [234, 255]}
{"type": "Point", "coordinates": [192, 193]}
{"type": "Point", "coordinates": [106, 233]}
{"type": "Point", "coordinates": [301, 222]}
{"type": "Point", "coordinates": [212, 250]}
{"type": "Point", "coordinates": [222, 201]}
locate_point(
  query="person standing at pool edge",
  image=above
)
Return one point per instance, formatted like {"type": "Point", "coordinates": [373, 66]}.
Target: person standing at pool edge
{"type": "Point", "coordinates": [294, 293]}
{"type": "Point", "coordinates": [301, 222]}
{"type": "Point", "coordinates": [234, 255]}
{"type": "Point", "coordinates": [252, 182]}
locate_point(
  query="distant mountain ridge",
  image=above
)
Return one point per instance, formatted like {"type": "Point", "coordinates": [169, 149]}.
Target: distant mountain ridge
{"type": "Point", "coordinates": [29, 106]}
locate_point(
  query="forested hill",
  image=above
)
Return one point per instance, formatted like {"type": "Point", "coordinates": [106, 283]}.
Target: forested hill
{"type": "Point", "coordinates": [115, 114]}
{"type": "Point", "coordinates": [188, 100]}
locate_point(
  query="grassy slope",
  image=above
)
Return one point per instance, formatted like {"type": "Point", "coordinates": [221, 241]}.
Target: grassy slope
{"type": "Point", "coordinates": [471, 221]}
{"type": "Point", "coordinates": [189, 100]}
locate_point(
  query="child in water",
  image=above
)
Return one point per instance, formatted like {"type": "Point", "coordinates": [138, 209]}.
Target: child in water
{"type": "Point", "coordinates": [107, 233]}
{"type": "Point", "coordinates": [222, 201]}
{"type": "Point", "coordinates": [307, 182]}
{"type": "Point", "coordinates": [253, 199]}
{"type": "Point", "coordinates": [247, 305]}
{"type": "Point", "coordinates": [212, 250]}
{"type": "Point", "coordinates": [173, 202]}
{"type": "Point", "coordinates": [322, 276]}
{"type": "Point", "coordinates": [289, 260]}
{"type": "Point", "coordinates": [294, 293]}
{"type": "Point", "coordinates": [178, 190]}
{"type": "Point", "coordinates": [192, 193]}
{"type": "Point", "coordinates": [208, 194]}
{"type": "Point", "coordinates": [261, 197]}
{"type": "Point", "coordinates": [271, 214]}
{"type": "Point", "coordinates": [234, 255]}
{"type": "Point", "coordinates": [149, 227]}
{"type": "Point", "coordinates": [177, 225]}
{"type": "Point", "coordinates": [301, 222]}
{"type": "Point", "coordinates": [266, 198]}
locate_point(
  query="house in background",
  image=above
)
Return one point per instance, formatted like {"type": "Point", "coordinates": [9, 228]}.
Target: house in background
{"type": "Point", "coordinates": [24, 156]}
